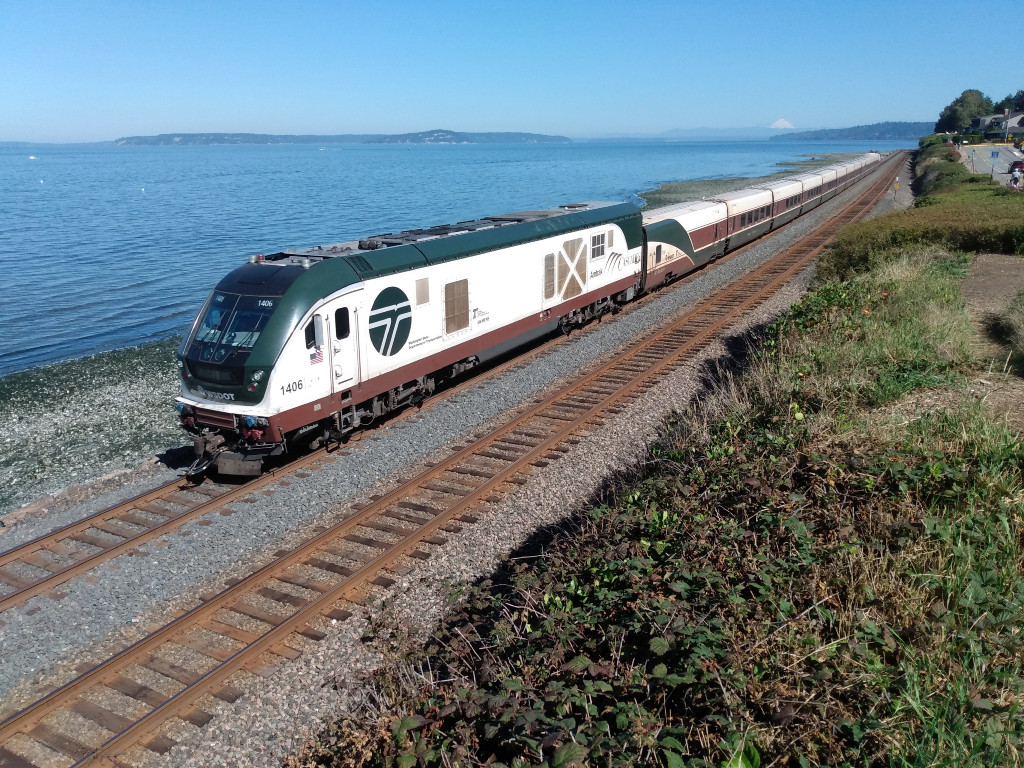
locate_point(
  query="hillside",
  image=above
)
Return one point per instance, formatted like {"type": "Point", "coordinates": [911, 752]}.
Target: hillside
{"type": "Point", "coordinates": [439, 136]}
{"type": "Point", "coordinates": [875, 131]}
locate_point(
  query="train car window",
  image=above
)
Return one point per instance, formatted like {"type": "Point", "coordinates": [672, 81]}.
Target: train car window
{"type": "Point", "coordinates": [657, 255]}
{"type": "Point", "coordinates": [422, 291]}
{"type": "Point", "coordinates": [611, 238]}
{"type": "Point", "coordinates": [341, 324]}
{"type": "Point", "coordinates": [310, 335]}
{"type": "Point", "coordinates": [456, 306]}
{"type": "Point", "coordinates": [597, 246]}
{"type": "Point", "coordinates": [549, 276]}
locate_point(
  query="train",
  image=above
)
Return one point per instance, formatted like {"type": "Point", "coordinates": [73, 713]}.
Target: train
{"type": "Point", "coordinates": [297, 349]}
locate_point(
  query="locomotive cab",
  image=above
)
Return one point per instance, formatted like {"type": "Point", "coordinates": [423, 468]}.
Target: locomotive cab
{"type": "Point", "coordinates": [227, 363]}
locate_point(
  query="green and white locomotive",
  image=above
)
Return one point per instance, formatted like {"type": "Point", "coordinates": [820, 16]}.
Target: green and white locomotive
{"type": "Point", "coordinates": [304, 346]}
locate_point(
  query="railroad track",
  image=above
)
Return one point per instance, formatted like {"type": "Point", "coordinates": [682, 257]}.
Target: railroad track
{"type": "Point", "coordinates": [37, 567]}
{"type": "Point", "coordinates": [260, 622]}
{"type": "Point", "coordinates": [40, 566]}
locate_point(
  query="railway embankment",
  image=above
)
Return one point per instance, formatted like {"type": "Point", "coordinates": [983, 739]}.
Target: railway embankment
{"type": "Point", "coordinates": [818, 562]}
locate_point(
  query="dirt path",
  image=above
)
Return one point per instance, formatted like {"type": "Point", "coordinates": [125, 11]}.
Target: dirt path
{"type": "Point", "coordinates": [992, 281]}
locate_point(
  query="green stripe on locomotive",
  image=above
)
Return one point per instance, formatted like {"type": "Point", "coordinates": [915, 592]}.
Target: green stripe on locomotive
{"type": "Point", "coordinates": [325, 277]}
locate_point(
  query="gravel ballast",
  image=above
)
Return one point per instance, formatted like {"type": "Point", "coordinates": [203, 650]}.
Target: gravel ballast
{"type": "Point", "coordinates": [123, 598]}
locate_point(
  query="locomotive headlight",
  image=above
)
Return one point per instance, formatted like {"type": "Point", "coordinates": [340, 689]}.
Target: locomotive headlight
{"type": "Point", "coordinates": [257, 375]}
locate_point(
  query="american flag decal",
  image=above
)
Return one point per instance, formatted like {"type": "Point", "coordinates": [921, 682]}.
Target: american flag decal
{"type": "Point", "coordinates": [316, 357]}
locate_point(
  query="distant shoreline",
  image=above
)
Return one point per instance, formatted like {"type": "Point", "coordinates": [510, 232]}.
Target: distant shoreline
{"type": "Point", "coordinates": [887, 131]}
{"type": "Point", "coordinates": [439, 136]}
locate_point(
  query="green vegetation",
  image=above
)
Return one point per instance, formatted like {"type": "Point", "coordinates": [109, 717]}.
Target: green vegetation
{"type": "Point", "coordinates": [972, 103]}
{"type": "Point", "coordinates": [1008, 325]}
{"type": "Point", "coordinates": [959, 113]}
{"type": "Point", "coordinates": [822, 563]}
{"type": "Point", "coordinates": [957, 210]}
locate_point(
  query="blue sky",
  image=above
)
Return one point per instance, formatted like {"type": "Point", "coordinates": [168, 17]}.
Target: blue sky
{"type": "Point", "coordinates": [95, 70]}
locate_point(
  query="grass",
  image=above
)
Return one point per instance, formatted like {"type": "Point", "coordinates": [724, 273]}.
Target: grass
{"type": "Point", "coordinates": [820, 563]}
{"type": "Point", "coordinates": [956, 210]}
{"type": "Point", "coordinates": [1009, 323]}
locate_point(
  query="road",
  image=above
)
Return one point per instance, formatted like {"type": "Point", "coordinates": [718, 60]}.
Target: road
{"type": "Point", "coordinates": [979, 158]}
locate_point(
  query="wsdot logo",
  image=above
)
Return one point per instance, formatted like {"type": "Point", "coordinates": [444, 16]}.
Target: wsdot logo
{"type": "Point", "coordinates": [390, 321]}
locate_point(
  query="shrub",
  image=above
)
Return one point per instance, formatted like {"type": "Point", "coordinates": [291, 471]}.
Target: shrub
{"type": "Point", "coordinates": [956, 210]}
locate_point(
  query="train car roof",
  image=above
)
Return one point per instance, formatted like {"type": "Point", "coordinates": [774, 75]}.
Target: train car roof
{"type": "Point", "coordinates": [385, 254]}
{"type": "Point", "coordinates": [742, 200]}
{"type": "Point", "coordinates": [679, 209]}
{"type": "Point", "coordinates": [782, 187]}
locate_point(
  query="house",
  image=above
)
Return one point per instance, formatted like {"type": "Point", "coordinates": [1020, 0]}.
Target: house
{"type": "Point", "coordinates": [1009, 125]}
{"type": "Point", "coordinates": [981, 123]}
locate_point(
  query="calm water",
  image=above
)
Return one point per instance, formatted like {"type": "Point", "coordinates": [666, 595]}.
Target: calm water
{"type": "Point", "coordinates": [103, 247]}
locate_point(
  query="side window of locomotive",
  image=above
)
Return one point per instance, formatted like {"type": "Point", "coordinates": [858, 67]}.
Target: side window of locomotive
{"type": "Point", "coordinates": [456, 306]}
{"type": "Point", "coordinates": [549, 276]}
{"type": "Point", "coordinates": [310, 335]}
{"type": "Point", "coordinates": [341, 325]}
{"type": "Point", "coordinates": [422, 291]}
{"type": "Point", "coordinates": [611, 238]}
{"type": "Point", "coordinates": [597, 246]}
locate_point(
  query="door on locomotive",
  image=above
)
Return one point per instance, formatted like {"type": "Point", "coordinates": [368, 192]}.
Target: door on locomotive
{"type": "Point", "coordinates": [344, 352]}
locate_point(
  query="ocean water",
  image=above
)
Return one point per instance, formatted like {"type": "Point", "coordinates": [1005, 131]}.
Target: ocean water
{"type": "Point", "coordinates": [104, 247]}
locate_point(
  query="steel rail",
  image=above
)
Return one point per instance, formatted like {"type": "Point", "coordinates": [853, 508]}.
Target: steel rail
{"type": "Point", "coordinates": [346, 590]}
{"type": "Point", "coordinates": [29, 552]}
{"type": "Point", "coordinates": [651, 349]}
{"type": "Point", "coordinates": [129, 541]}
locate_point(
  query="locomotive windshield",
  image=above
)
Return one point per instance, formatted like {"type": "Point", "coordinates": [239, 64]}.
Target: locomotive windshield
{"type": "Point", "coordinates": [234, 321]}
{"type": "Point", "coordinates": [229, 327]}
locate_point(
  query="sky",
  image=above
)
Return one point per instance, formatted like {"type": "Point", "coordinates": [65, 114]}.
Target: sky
{"type": "Point", "coordinates": [97, 70]}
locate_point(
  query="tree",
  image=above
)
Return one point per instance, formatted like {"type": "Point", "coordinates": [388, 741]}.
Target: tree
{"type": "Point", "coordinates": [1014, 103]}
{"type": "Point", "coordinates": [957, 116]}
